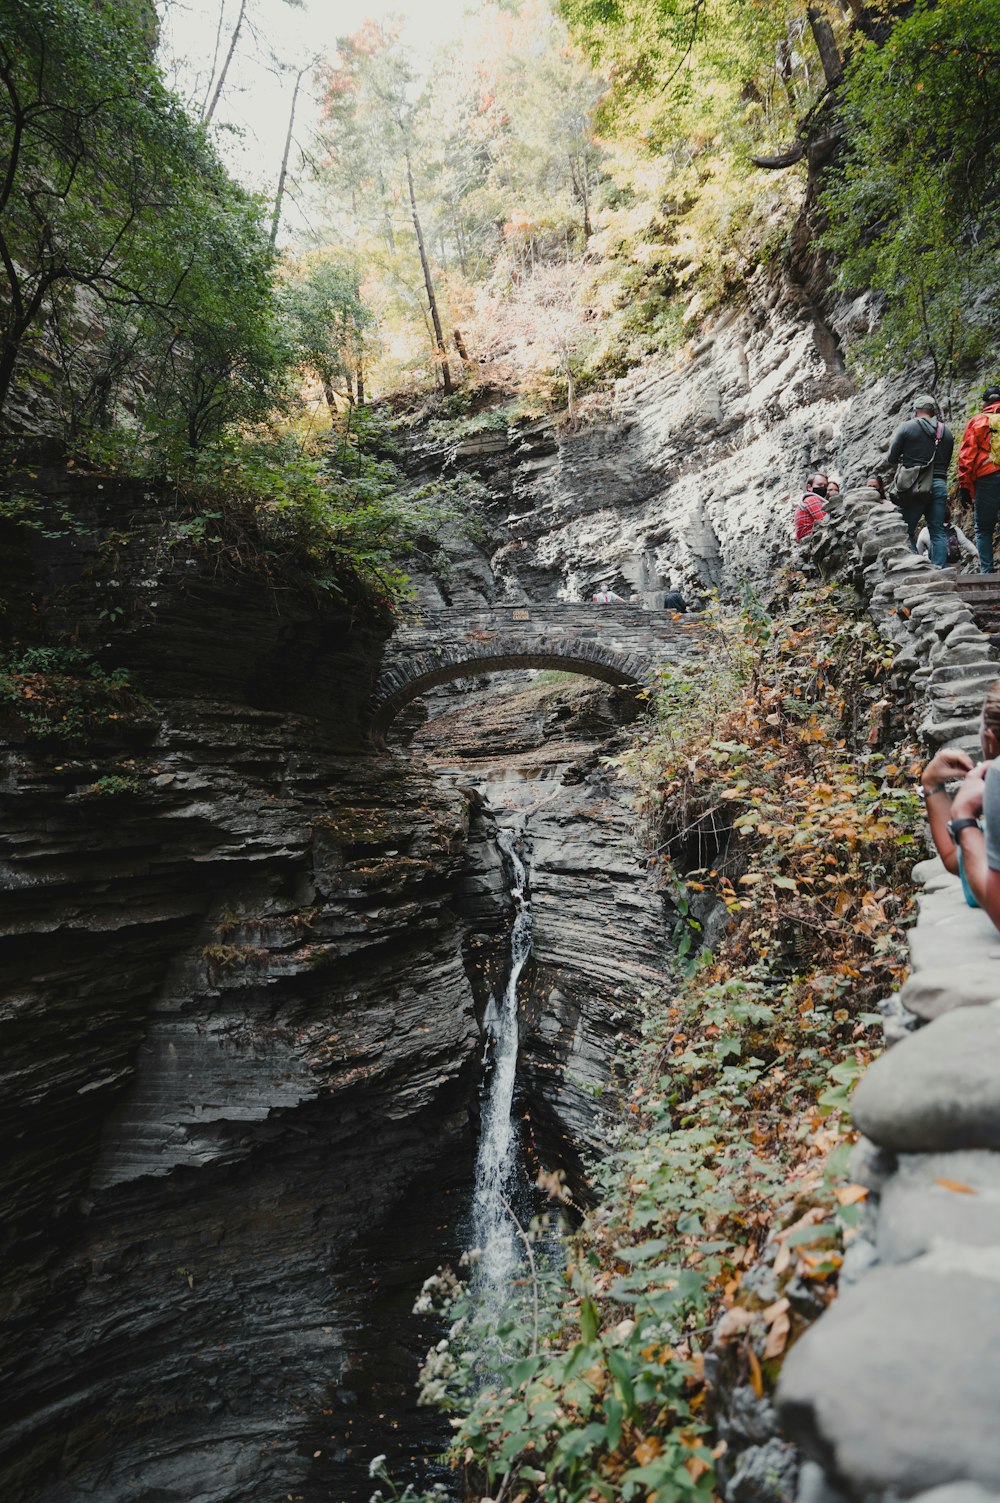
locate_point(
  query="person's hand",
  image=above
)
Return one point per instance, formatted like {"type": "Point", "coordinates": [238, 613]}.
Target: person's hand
{"type": "Point", "coordinates": [965, 495]}
{"type": "Point", "coordinates": [968, 801]}
{"type": "Point", "coordinates": [944, 767]}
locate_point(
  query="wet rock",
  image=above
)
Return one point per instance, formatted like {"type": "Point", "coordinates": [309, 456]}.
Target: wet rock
{"type": "Point", "coordinates": [815, 1486]}
{"type": "Point", "coordinates": [747, 1418]}
{"type": "Point", "coordinates": [958, 1492]}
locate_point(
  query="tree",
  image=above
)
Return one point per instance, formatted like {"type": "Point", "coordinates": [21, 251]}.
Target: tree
{"type": "Point", "coordinates": [370, 137]}
{"type": "Point", "coordinates": [331, 327]}
{"type": "Point", "coordinates": [115, 209]}
{"type": "Point", "coordinates": [217, 81]}
{"type": "Point", "coordinates": [912, 205]}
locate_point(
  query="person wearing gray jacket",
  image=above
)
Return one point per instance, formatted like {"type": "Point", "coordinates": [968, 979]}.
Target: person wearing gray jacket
{"type": "Point", "coordinates": [924, 438]}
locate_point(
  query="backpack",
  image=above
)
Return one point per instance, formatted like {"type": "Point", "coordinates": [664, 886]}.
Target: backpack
{"type": "Point", "coordinates": [915, 482]}
{"type": "Point", "coordinates": [954, 547]}
{"type": "Point", "coordinates": [994, 421]}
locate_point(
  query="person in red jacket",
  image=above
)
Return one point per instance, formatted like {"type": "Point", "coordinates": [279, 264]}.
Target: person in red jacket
{"type": "Point", "coordinates": [979, 473]}
{"type": "Point", "coordinates": [811, 509]}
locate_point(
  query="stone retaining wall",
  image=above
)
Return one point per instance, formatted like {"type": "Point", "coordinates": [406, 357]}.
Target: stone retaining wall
{"type": "Point", "coordinates": [892, 1393]}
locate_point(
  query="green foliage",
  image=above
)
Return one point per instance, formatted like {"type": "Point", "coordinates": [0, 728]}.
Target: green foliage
{"type": "Point", "coordinates": [913, 204]}
{"type": "Point", "coordinates": [63, 693]}
{"type": "Point", "coordinates": [332, 327]}
{"type": "Point", "coordinates": [135, 272]}
{"type": "Point", "coordinates": [337, 517]}
{"type": "Point", "coordinates": [114, 785]}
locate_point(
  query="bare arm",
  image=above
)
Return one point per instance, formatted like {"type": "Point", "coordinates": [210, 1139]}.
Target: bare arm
{"type": "Point", "coordinates": [983, 879]}
{"type": "Point", "coordinates": [944, 767]}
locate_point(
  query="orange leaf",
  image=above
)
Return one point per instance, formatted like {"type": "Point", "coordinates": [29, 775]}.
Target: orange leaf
{"type": "Point", "coordinates": [648, 1450]}
{"type": "Point", "coordinates": [849, 1194]}
{"type": "Point", "coordinates": [756, 1376]}
{"type": "Point", "coordinates": [953, 1184]}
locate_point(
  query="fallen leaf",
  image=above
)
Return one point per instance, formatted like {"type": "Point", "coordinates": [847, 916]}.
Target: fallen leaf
{"type": "Point", "coordinates": [953, 1184]}
{"type": "Point", "coordinates": [733, 1322]}
{"type": "Point", "coordinates": [756, 1376]}
{"type": "Point", "coordinates": [777, 1337]}
{"type": "Point", "coordinates": [849, 1194]}
{"type": "Point", "coordinates": [771, 1314]}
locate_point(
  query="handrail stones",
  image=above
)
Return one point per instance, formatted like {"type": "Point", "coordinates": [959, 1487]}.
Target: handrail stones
{"type": "Point", "coordinates": [892, 1393]}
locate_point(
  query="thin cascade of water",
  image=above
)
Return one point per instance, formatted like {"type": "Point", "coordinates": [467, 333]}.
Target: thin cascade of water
{"type": "Point", "coordinates": [496, 1163]}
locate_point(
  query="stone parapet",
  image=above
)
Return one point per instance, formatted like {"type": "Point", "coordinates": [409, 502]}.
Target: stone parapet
{"type": "Point", "coordinates": [891, 1393]}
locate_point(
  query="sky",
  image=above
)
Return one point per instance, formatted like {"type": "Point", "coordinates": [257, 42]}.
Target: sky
{"type": "Point", "coordinates": [275, 41]}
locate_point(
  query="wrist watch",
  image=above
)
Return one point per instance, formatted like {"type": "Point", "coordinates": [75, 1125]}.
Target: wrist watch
{"type": "Point", "coordinates": [956, 826]}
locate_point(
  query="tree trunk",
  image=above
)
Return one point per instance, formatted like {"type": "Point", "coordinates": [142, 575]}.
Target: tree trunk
{"type": "Point", "coordinates": [331, 398]}
{"type": "Point", "coordinates": [360, 373]}
{"type": "Point", "coordinates": [428, 283]}
{"type": "Point", "coordinates": [460, 247]}
{"type": "Point", "coordinates": [276, 217]}
{"type": "Point", "coordinates": [8, 360]}
{"type": "Point", "coordinates": [206, 117]}
{"type": "Point", "coordinates": [826, 46]}
{"type": "Point", "coordinates": [460, 347]}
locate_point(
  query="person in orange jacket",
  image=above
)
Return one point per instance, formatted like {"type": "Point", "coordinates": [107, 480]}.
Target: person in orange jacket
{"type": "Point", "coordinates": [979, 473]}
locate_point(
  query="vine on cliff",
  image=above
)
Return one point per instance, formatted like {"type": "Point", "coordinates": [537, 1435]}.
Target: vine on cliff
{"type": "Point", "coordinates": [721, 1221]}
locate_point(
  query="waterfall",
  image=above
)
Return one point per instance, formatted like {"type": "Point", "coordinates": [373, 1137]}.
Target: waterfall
{"type": "Point", "coordinates": [496, 1163]}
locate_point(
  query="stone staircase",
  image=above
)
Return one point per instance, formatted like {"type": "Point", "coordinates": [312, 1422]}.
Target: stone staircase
{"type": "Point", "coordinates": [981, 593]}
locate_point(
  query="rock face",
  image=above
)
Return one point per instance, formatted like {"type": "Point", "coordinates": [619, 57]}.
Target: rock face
{"type": "Point", "coordinates": [237, 1034]}
{"type": "Point", "coordinates": [692, 476]}
{"type": "Point", "coordinates": [534, 756]}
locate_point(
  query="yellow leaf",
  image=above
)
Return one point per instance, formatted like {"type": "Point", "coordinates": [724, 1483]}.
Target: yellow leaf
{"type": "Point", "coordinates": [848, 1194]}
{"type": "Point", "coordinates": [751, 877]}
{"type": "Point", "coordinates": [648, 1450]}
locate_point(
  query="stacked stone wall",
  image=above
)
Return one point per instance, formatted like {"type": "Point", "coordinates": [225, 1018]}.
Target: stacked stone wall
{"type": "Point", "coordinates": [892, 1392]}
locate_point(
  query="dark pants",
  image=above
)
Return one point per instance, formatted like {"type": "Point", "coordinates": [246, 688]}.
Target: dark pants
{"type": "Point", "coordinates": [932, 508]}
{"type": "Point", "coordinates": [987, 510]}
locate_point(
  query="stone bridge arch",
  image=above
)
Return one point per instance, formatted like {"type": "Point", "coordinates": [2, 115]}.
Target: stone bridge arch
{"type": "Point", "coordinates": [619, 645]}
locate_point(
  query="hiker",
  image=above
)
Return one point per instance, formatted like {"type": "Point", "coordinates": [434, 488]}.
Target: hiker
{"type": "Point", "coordinates": [673, 600]}
{"type": "Point", "coordinates": [979, 473]}
{"type": "Point", "coordinates": [832, 490]}
{"type": "Point", "coordinates": [876, 483]}
{"type": "Point", "coordinates": [921, 451]}
{"type": "Point", "coordinates": [958, 543]}
{"type": "Point", "coordinates": [811, 510]}
{"type": "Point", "coordinates": [606, 596]}
{"type": "Point", "coordinates": [965, 827]}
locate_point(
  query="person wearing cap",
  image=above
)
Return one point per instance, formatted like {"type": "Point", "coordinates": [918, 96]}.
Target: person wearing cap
{"type": "Point", "coordinates": [979, 473]}
{"type": "Point", "coordinates": [916, 443]}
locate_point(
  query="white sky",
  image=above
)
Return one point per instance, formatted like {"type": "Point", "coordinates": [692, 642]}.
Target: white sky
{"type": "Point", "coordinates": [258, 95]}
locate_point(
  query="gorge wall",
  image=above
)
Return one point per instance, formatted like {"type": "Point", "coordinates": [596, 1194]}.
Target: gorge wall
{"type": "Point", "coordinates": [237, 1033]}
{"type": "Point", "coordinates": [240, 1040]}
{"type": "Point", "coordinates": [245, 956]}
{"type": "Point", "coordinates": [692, 474]}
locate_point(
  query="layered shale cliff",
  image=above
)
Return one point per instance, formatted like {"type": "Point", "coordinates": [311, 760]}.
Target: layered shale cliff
{"type": "Point", "coordinates": [236, 1032]}
{"type": "Point", "coordinates": [690, 473]}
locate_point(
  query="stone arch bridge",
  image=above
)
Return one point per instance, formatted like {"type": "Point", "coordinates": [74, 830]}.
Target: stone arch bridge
{"type": "Point", "coordinates": [619, 644]}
